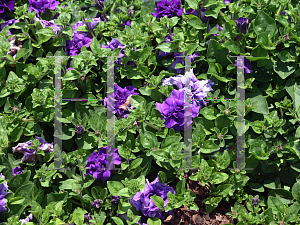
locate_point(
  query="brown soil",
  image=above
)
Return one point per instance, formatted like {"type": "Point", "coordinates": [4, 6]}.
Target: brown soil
{"type": "Point", "coordinates": [184, 216]}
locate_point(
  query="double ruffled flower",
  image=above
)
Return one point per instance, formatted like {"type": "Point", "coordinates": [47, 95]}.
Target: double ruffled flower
{"type": "Point", "coordinates": [3, 193]}
{"type": "Point", "coordinates": [142, 201]}
{"type": "Point", "coordinates": [30, 154]}
{"type": "Point", "coordinates": [168, 8]}
{"type": "Point", "coordinates": [173, 111]}
{"type": "Point", "coordinates": [121, 95]}
{"type": "Point", "coordinates": [40, 6]}
{"type": "Point", "coordinates": [97, 162]}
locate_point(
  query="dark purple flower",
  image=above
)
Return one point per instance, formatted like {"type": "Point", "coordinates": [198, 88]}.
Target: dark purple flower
{"type": "Point", "coordinates": [285, 14]}
{"type": "Point", "coordinates": [243, 24]}
{"type": "Point", "coordinates": [192, 11]}
{"type": "Point", "coordinates": [127, 23]}
{"type": "Point", "coordinates": [97, 162]}
{"type": "Point", "coordinates": [168, 39]}
{"type": "Point", "coordinates": [27, 219]}
{"type": "Point", "coordinates": [3, 193]}
{"type": "Point", "coordinates": [203, 17]}
{"type": "Point", "coordinates": [114, 200]}
{"type": "Point", "coordinates": [97, 203]}
{"type": "Point", "coordinates": [73, 47]}
{"type": "Point", "coordinates": [246, 66]}
{"type": "Point", "coordinates": [255, 201]}
{"type": "Point", "coordinates": [8, 23]}
{"type": "Point", "coordinates": [79, 129]}
{"type": "Point", "coordinates": [121, 102]}
{"type": "Point", "coordinates": [17, 170]}
{"type": "Point", "coordinates": [7, 5]}
{"type": "Point", "coordinates": [142, 201]}
{"type": "Point", "coordinates": [199, 88]}
{"type": "Point", "coordinates": [219, 29]}
{"type": "Point", "coordinates": [40, 6]}
{"type": "Point", "coordinates": [172, 111]}
{"type": "Point", "coordinates": [168, 8]}
{"type": "Point", "coordinates": [179, 59]}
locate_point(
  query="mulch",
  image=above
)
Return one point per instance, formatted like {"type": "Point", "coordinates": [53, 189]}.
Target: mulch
{"type": "Point", "coordinates": [184, 216]}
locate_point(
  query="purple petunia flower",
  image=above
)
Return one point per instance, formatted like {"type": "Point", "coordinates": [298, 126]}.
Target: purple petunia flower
{"type": "Point", "coordinates": [168, 8]}
{"type": "Point", "coordinates": [8, 23]}
{"type": "Point", "coordinates": [142, 201]}
{"type": "Point", "coordinates": [97, 162]}
{"type": "Point", "coordinates": [88, 217]}
{"type": "Point", "coordinates": [30, 154]}
{"type": "Point", "coordinates": [27, 219]}
{"type": "Point", "coordinates": [243, 24]}
{"type": "Point", "coordinates": [91, 25]}
{"type": "Point", "coordinates": [172, 111]}
{"type": "Point", "coordinates": [127, 23]}
{"type": "Point", "coordinates": [121, 96]}
{"type": "Point", "coordinates": [73, 47]}
{"type": "Point", "coordinates": [97, 203]}
{"type": "Point", "coordinates": [3, 193]}
{"type": "Point", "coordinates": [168, 39]}
{"type": "Point", "coordinates": [227, 1]}
{"type": "Point", "coordinates": [114, 200]}
{"type": "Point", "coordinates": [199, 88]}
{"type": "Point", "coordinates": [6, 5]}
{"type": "Point", "coordinates": [51, 23]}
{"type": "Point", "coordinates": [179, 59]}
{"type": "Point", "coordinates": [246, 66]}
{"type": "Point", "coordinates": [17, 170]}
{"type": "Point", "coordinates": [40, 6]}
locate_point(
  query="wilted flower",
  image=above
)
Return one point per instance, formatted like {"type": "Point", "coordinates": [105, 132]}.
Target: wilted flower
{"type": "Point", "coordinates": [255, 201]}
{"type": "Point", "coordinates": [97, 203]}
{"type": "Point", "coordinates": [172, 111]}
{"type": "Point", "coordinates": [121, 95]}
{"type": "Point", "coordinates": [97, 162]}
{"type": "Point", "coordinates": [179, 59]}
{"type": "Point", "coordinates": [168, 8]}
{"type": "Point", "coordinates": [17, 170]}
{"type": "Point", "coordinates": [199, 88]}
{"type": "Point", "coordinates": [168, 39]}
{"type": "Point", "coordinates": [114, 200]}
{"type": "Point", "coordinates": [79, 129]}
{"type": "Point", "coordinates": [246, 66]}
{"type": "Point", "coordinates": [243, 24]}
{"type": "Point", "coordinates": [3, 193]}
{"type": "Point", "coordinates": [40, 6]}
{"type": "Point", "coordinates": [7, 5]}
{"type": "Point", "coordinates": [142, 201]}
{"type": "Point", "coordinates": [130, 12]}
{"type": "Point", "coordinates": [15, 109]}
{"type": "Point", "coordinates": [27, 219]}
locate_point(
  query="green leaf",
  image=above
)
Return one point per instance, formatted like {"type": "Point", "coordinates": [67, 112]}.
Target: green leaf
{"type": "Point", "coordinates": [217, 177]}
{"type": "Point", "coordinates": [209, 146]}
{"type": "Point", "coordinates": [153, 221]}
{"type": "Point", "coordinates": [193, 4]}
{"type": "Point", "coordinates": [233, 46]}
{"type": "Point", "coordinates": [265, 42]}
{"type": "Point", "coordinates": [158, 201]}
{"type": "Point", "coordinates": [209, 112]}
{"type": "Point", "coordinates": [117, 220]}
{"type": "Point", "coordinates": [145, 53]}
{"type": "Point", "coordinates": [16, 200]}
{"type": "Point", "coordinates": [191, 48]}
{"type": "Point", "coordinates": [149, 140]}
{"type": "Point", "coordinates": [276, 204]}
{"type": "Point", "coordinates": [296, 191]}
{"type": "Point", "coordinates": [162, 177]}
{"type": "Point", "coordinates": [165, 47]}
{"type": "Point", "coordinates": [195, 22]}
{"type": "Point", "coordinates": [19, 180]}
{"type": "Point", "coordinates": [95, 46]}
{"type": "Point", "coordinates": [260, 104]}
{"type": "Point", "coordinates": [114, 187]}
{"type": "Point", "coordinates": [135, 163]}
{"type": "Point", "coordinates": [284, 69]}
{"type": "Point", "coordinates": [217, 53]}
{"type": "Point", "coordinates": [263, 23]}
{"type": "Point", "coordinates": [293, 88]}
{"type": "Point", "coordinates": [256, 187]}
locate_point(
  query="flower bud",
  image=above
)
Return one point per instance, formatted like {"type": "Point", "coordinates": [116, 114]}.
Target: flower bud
{"type": "Point", "coordinates": [100, 5]}
{"type": "Point", "coordinates": [79, 129]}
{"type": "Point", "coordinates": [15, 109]}
{"type": "Point", "coordinates": [130, 12]}
{"type": "Point", "coordinates": [227, 112]}
{"type": "Point", "coordinates": [220, 136]}
{"type": "Point", "coordinates": [255, 201]}
{"type": "Point", "coordinates": [98, 133]}
{"type": "Point", "coordinates": [243, 24]}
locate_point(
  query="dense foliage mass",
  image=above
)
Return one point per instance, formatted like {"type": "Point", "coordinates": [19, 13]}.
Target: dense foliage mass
{"type": "Point", "coordinates": [149, 42]}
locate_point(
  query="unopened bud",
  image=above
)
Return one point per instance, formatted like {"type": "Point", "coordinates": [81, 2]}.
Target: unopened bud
{"type": "Point", "coordinates": [220, 136]}
{"type": "Point", "coordinates": [130, 12]}
{"type": "Point", "coordinates": [99, 5]}
{"type": "Point", "coordinates": [15, 109]}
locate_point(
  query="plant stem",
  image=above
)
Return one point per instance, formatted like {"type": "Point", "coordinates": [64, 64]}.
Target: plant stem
{"type": "Point", "coordinates": [151, 125]}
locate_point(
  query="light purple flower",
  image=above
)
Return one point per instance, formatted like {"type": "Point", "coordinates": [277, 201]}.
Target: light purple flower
{"type": "Point", "coordinates": [97, 203]}
{"type": "Point", "coordinates": [3, 193]}
{"type": "Point", "coordinates": [168, 8]}
{"type": "Point", "coordinates": [126, 23]}
{"type": "Point", "coordinates": [246, 66]}
{"type": "Point", "coordinates": [40, 6]}
{"type": "Point", "coordinates": [79, 129]}
{"type": "Point", "coordinates": [173, 111]}
{"type": "Point", "coordinates": [142, 201]}
{"type": "Point", "coordinates": [8, 23]}
{"type": "Point", "coordinates": [120, 97]}
{"type": "Point", "coordinates": [17, 170]}
{"type": "Point", "coordinates": [91, 25]}
{"type": "Point", "coordinates": [56, 28]}
{"type": "Point", "coordinates": [97, 162]}
{"type": "Point", "coordinates": [27, 219]}
{"type": "Point", "coordinates": [227, 1]}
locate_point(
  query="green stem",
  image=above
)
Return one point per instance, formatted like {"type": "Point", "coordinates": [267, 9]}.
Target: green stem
{"type": "Point", "coordinates": [151, 125]}
{"type": "Point", "coordinates": [27, 120]}
{"type": "Point", "coordinates": [90, 31]}
{"type": "Point", "coordinates": [281, 112]}
{"type": "Point", "coordinates": [280, 8]}
{"type": "Point", "coordinates": [70, 200]}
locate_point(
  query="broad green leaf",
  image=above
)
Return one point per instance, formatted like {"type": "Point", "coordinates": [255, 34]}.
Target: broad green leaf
{"type": "Point", "coordinates": [114, 187]}
{"type": "Point", "coordinates": [296, 191]}
{"type": "Point", "coordinates": [263, 23]}
{"type": "Point", "coordinates": [284, 69]}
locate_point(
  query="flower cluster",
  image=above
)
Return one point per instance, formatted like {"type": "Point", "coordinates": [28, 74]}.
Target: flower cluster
{"type": "Point", "coordinates": [168, 8]}
{"type": "Point", "coordinates": [246, 65]}
{"type": "Point", "coordinates": [199, 88]}
{"type": "Point", "coordinates": [17, 170]}
{"type": "Point", "coordinates": [97, 162]}
{"type": "Point", "coordinates": [142, 201]}
{"type": "Point", "coordinates": [5, 7]}
{"type": "Point", "coordinates": [51, 23]}
{"type": "Point", "coordinates": [121, 98]}
{"type": "Point", "coordinates": [3, 193]}
{"type": "Point", "coordinates": [29, 153]}
{"type": "Point", "coordinates": [40, 6]}
{"type": "Point", "coordinates": [173, 111]}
